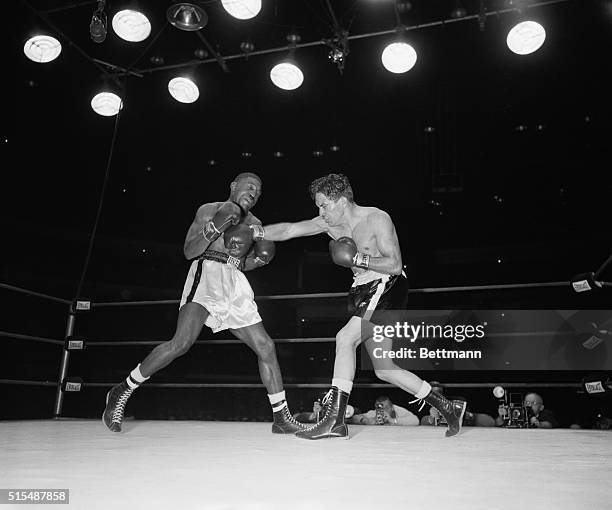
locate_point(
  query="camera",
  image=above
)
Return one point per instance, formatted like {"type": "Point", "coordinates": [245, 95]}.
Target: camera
{"type": "Point", "coordinates": [380, 413]}
{"type": "Point", "coordinates": [516, 415]}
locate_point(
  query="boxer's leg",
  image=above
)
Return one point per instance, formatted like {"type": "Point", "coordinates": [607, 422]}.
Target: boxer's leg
{"type": "Point", "coordinates": [191, 319]}
{"type": "Point", "coordinates": [388, 371]}
{"type": "Point", "coordinates": [333, 422]}
{"type": "Point", "coordinates": [257, 338]}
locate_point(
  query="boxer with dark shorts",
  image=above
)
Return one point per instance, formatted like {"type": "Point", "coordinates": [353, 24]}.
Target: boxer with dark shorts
{"type": "Point", "coordinates": [216, 293]}
{"type": "Point", "coordinates": [364, 239]}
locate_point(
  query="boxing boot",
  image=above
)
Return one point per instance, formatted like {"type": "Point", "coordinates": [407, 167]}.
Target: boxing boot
{"type": "Point", "coordinates": [116, 399]}
{"type": "Point", "coordinates": [332, 424]}
{"type": "Point", "coordinates": [284, 423]}
{"type": "Point", "coordinates": [452, 411]}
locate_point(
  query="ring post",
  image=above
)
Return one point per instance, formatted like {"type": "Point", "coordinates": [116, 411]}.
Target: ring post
{"type": "Point", "coordinates": [59, 395]}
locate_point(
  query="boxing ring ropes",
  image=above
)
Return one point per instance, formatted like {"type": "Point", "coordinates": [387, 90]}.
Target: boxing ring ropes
{"type": "Point", "coordinates": [69, 343]}
{"type": "Point", "coordinates": [242, 466]}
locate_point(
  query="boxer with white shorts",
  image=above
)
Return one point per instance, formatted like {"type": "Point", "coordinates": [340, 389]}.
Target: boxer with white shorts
{"type": "Point", "coordinates": [216, 293]}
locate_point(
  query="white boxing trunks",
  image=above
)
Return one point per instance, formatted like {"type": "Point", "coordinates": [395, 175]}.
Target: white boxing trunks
{"type": "Point", "coordinates": [224, 291]}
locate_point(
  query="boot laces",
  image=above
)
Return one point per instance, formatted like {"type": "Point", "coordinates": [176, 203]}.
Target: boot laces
{"type": "Point", "coordinates": [120, 406]}
{"type": "Point", "coordinates": [418, 401]}
{"type": "Point", "coordinates": [327, 406]}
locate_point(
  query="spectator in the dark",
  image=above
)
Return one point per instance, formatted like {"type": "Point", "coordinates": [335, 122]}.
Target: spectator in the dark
{"type": "Point", "coordinates": [539, 417]}
{"type": "Point", "coordinates": [385, 412]}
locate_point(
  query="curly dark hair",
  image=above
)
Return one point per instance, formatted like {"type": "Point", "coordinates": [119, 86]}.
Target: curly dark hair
{"type": "Point", "coordinates": [333, 186]}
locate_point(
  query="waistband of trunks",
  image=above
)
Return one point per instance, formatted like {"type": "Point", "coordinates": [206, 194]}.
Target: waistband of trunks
{"type": "Point", "coordinates": [221, 257]}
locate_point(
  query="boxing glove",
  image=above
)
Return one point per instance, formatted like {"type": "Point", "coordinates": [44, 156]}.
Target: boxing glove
{"type": "Point", "coordinates": [264, 252]}
{"type": "Point", "coordinates": [230, 213]}
{"type": "Point", "coordinates": [344, 252]}
{"type": "Point", "coordinates": [258, 232]}
{"type": "Point", "coordinates": [238, 240]}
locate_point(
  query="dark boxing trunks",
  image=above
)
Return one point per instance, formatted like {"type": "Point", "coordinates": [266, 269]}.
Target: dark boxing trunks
{"type": "Point", "coordinates": [371, 300]}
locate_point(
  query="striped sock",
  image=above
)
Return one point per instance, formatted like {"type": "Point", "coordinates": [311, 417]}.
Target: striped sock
{"type": "Point", "coordinates": [135, 378]}
{"type": "Point", "coordinates": [277, 401]}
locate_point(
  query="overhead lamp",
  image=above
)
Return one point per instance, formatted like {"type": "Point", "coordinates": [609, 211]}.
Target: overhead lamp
{"type": "Point", "coordinates": [399, 57]}
{"type": "Point", "coordinates": [287, 75]}
{"type": "Point", "coordinates": [97, 25]}
{"type": "Point", "coordinates": [106, 104]}
{"type": "Point", "coordinates": [526, 37]}
{"type": "Point", "coordinates": [459, 11]}
{"type": "Point", "coordinates": [242, 9]}
{"type": "Point", "coordinates": [187, 16]}
{"type": "Point", "coordinates": [131, 25]}
{"type": "Point", "coordinates": [42, 48]}
{"type": "Point", "coordinates": [183, 90]}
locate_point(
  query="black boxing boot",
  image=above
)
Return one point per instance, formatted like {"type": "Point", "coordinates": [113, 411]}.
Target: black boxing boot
{"type": "Point", "coordinates": [116, 400]}
{"type": "Point", "coordinates": [284, 423]}
{"type": "Point", "coordinates": [332, 424]}
{"type": "Point", "coordinates": [452, 411]}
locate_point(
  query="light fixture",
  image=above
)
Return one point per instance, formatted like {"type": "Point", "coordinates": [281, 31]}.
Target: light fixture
{"type": "Point", "coordinates": [187, 16]}
{"type": "Point", "coordinates": [399, 57]}
{"type": "Point", "coordinates": [287, 75]}
{"type": "Point", "coordinates": [97, 26]}
{"type": "Point", "coordinates": [459, 11]}
{"type": "Point", "coordinates": [526, 37]}
{"type": "Point", "coordinates": [106, 104]}
{"type": "Point", "coordinates": [42, 48]}
{"type": "Point", "coordinates": [183, 90]}
{"type": "Point", "coordinates": [131, 26]}
{"type": "Point", "coordinates": [242, 9]}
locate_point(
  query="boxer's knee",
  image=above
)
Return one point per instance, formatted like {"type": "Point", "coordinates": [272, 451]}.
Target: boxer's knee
{"type": "Point", "coordinates": [264, 348]}
{"type": "Point", "coordinates": [180, 344]}
{"type": "Point", "coordinates": [346, 341]}
{"type": "Point", "coordinates": [385, 375]}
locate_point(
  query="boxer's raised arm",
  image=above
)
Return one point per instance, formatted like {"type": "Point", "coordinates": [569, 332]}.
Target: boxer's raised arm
{"type": "Point", "coordinates": [195, 242]}
{"type": "Point", "coordinates": [390, 261]}
{"type": "Point", "coordinates": [286, 231]}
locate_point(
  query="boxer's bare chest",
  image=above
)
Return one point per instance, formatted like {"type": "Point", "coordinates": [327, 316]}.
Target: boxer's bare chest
{"type": "Point", "coordinates": [362, 232]}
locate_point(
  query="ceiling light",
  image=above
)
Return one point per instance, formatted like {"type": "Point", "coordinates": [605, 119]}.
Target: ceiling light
{"type": "Point", "coordinates": [242, 9]}
{"type": "Point", "coordinates": [106, 104]}
{"type": "Point", "coordinates": [42, 48]}
{"type": "Point", "coordinates": [399, 57]}
{"type": "Point", "coordinates": [183, 90]}
{"type": "Point", "coordinates": [526, 37]}
{"type": "Point", "coordinates": [131, 26]}
{"type": "Point", "coordinates": [286, 76]}
{"type": "Point", "coordinates": [186, 16]}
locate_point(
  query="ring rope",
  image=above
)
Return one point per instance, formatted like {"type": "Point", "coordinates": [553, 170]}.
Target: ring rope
{"type": "Point", "coordinates": [303, 385]}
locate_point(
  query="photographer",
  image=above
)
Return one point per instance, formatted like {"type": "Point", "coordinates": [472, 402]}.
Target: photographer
{"type": "Point", "coordinates": [538, 416]}
{"type": "Point", "coordinates": [385, 412]}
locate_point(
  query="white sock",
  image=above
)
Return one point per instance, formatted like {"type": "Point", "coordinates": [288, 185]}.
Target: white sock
{"type": "Point", "coordinates": [424, 391]}
{"type": "Point", "coordinates": [135, 378]}
{"type": "Point", "coordinates": [343, 384]}
{"type": "Point", "coordinates": [277, 401]}
{"type": "Point", "coordinates": [275, 398]}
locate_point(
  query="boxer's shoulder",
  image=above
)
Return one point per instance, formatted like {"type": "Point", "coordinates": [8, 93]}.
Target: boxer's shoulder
{"type": "Point", "coordinates": [251, 219]}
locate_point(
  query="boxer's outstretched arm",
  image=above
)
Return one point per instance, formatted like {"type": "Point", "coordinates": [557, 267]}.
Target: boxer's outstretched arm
{"type": "Point", "coordinates": [286, 231]}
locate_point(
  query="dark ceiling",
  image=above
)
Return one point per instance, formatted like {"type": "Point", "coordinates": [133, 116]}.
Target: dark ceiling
{"type": "Point", "coordinates": [532, 130]}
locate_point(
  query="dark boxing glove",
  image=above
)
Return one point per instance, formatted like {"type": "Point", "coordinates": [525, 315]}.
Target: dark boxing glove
{"type": "Point", "coordinates": [344, 252]}
{"type": "Point", "coordinates": [238, 240]}
{"type": "Point", "coordinates": [230, 213]}
{"type": "Point", "coordinates": [264, 252]}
